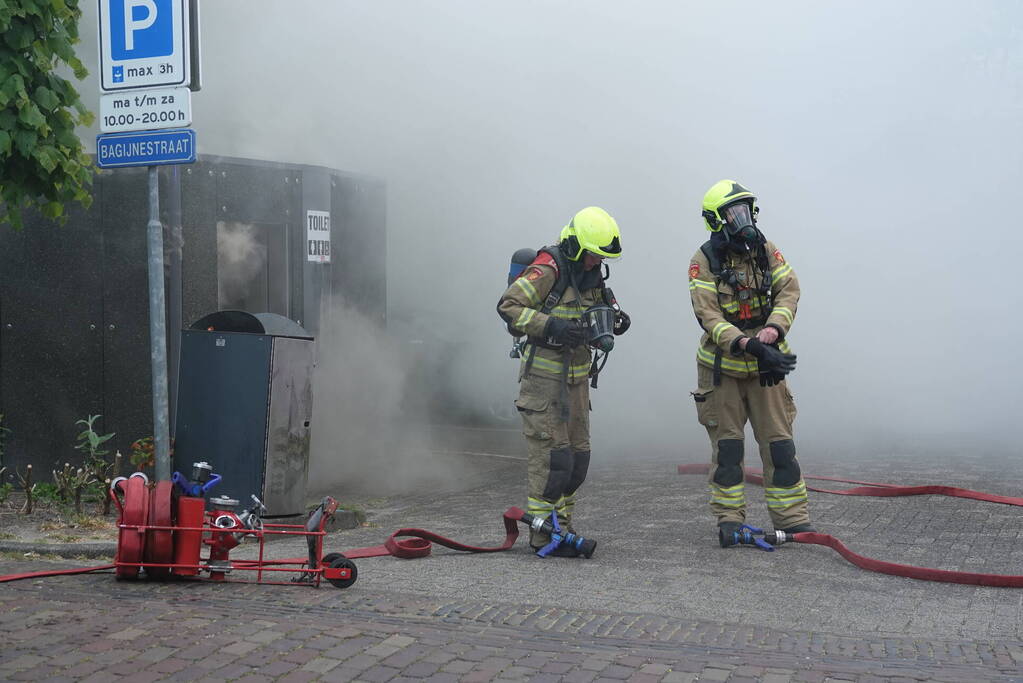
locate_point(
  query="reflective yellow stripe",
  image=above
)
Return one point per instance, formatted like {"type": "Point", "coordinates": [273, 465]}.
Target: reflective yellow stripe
{"type": "Point", "coordinates": [783, 346]}
{"type": "Point", "coordinates": [733, 306]}
{"type": "Point", "coordinates": [524, 318]}
{"type": "Point", "coordinates": [784, 312]}
{"type": "Point", "coordinates": [542, 508]}
{"type": "Point", "coordinates": [718, 329]}
{"type": "Point", "coordinates": [702, 284]}
{"type": "Point", "coordinates": [556, 367]}
{"type": "Point", "coordinates": [785, 497]}
{"type": "Point", "coordinates": [565, 505]}
{"type": "Point", "coordinates": [779, 273]}
{"type": "Point", "coordinates": [566, 312]}
{"type": "Point", "coordinates": [528, 289]}
{"type": "Point", "coordinates": [707, 358]}
{"type": "Point", "coordinates": [730, 496]}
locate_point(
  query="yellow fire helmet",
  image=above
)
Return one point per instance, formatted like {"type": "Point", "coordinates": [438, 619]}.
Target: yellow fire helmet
{"type": "Point", "coordinates": [592, 229]}
{"type": "Point", "coordinates": [720, 195]}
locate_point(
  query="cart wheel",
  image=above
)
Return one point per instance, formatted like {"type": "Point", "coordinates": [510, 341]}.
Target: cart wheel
{"type": "Point", "coordinates": [343, 562]}
{"type": "Point", "coordinates": [328, 558]}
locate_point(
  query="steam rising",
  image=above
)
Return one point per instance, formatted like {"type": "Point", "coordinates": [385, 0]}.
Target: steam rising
{"type": "Point", "coordinates": [882, 141]}
{"type": "Point", "coordinates": [241, 259]}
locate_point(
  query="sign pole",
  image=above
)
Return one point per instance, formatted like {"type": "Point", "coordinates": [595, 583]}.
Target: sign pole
{"type": "Point", "coordinates": [158, 331]}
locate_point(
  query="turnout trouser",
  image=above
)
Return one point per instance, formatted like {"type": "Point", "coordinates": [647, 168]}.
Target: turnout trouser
{"type": "Point", "coordinates": [724, 410]}
{"type": "Point", "coordinates": [558, 451]}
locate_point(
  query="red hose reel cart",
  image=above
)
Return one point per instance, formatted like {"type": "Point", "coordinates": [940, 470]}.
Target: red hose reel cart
{"type": "Point", "coordinates": [164, 529]}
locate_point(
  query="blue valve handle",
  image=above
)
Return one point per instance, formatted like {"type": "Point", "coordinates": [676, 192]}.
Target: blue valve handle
{"type": "Point", "coordinates": [194, 490]}
{"type": "Point", "coordinates": [558, 538]}
{"type": "Point", "coordinates": [750, 535]}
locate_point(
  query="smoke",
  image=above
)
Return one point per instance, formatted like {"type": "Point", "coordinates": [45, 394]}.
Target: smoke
{"type": "Point", "coordinates": [881, 140]}
{"type": "Point", "coordinates": [376, 402]}
{"type": "Point", "coordinates": [241, 259]}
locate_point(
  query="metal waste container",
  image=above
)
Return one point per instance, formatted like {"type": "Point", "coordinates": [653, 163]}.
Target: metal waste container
{"type": "Point", "coordinates": [245, 405]}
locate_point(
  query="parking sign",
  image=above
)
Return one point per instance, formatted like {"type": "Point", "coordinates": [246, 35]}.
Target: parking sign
{"type": "Point", "coordinates": [143, 44]}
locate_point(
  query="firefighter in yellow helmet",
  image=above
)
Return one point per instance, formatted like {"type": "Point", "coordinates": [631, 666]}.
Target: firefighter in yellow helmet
{"type": "Point", "coordinates": [744, 294]}
{"type": "Point", "coordinates": [551, 303]}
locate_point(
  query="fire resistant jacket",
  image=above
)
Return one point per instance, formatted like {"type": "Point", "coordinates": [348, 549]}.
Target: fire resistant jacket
{"type": "Point", "coordinates": [520, 306]}
{"type": "Point", "coordinates": [719, 306]}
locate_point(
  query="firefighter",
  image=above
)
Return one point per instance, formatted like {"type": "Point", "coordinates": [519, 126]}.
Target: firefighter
{"type": "Point", "coordinates": [744, 294]}
{"type": "Point", "coordinates": [546, 304]}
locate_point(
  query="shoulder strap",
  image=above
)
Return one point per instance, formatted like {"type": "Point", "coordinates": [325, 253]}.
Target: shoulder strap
{"type": "Point", "coordinates": [713, 258]}
{"type": "Point", "coordinates": [561, 267]}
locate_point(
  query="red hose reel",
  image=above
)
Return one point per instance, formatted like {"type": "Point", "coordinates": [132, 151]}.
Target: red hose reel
{"type": "Point", "coordinates": [162, 534]}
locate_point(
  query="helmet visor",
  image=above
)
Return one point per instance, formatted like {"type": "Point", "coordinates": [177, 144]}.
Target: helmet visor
{"type": "Point", "coordinates": [738, 216]}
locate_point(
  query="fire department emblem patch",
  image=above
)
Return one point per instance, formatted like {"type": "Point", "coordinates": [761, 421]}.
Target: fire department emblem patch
{"type": "Point", "coordinates": [778, 256]}
{"type": "Point", "coordinates": [694, 270]}
{"type": "Point", "coordinates": [534, 274]}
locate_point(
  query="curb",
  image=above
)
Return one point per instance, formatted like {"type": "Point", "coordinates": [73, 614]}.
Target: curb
{"type": "Point", "coordinates": [343, 519]}
{"type": "Point", "coordinates": [104, 550]}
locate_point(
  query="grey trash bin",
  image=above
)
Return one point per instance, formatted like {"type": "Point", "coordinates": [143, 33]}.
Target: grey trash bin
{"type": "Point", "coordinates": [245, 405]}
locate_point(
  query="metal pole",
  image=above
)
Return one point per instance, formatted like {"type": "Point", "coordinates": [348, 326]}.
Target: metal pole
{"type": "Point", "coordinates": [158, 330]}
{"type": "Point", "coordinates": [174, 294]}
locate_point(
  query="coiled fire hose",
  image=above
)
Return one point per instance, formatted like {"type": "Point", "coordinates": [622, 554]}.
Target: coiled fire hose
{"type": "Point", "coordinates": [405, 543]}
{"type": "Point", "coordinates": [867, 488]}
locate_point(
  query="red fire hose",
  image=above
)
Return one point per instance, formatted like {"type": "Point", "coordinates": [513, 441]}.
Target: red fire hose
{"type": "Point", "coordinates": [405, 543]}
{"type": "Point", "coordinates": [410, 543]}
{"type": "Point", "coordinates": [888, 490]}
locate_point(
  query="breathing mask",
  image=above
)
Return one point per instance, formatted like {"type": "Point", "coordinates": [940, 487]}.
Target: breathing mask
{"type": "Point", "coordinates": [599, 322]}
{"type": "Point", "coordinates": [740, 225]}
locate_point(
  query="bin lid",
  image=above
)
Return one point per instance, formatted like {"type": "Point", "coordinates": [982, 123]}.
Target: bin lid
{"type": "Point", "coordinates": [254, 323]}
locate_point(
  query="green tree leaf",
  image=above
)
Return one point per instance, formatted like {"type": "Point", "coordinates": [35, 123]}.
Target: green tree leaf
{"type": "Point", "coordinates": [52, 209]}
{"type": "Point", "coordinates": [46, 99]}
{"type": "Point", "coordinates": [43, 164]}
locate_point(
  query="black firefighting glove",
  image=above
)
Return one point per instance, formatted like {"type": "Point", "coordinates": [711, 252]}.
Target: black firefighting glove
{"type": "Point", "coordinates": [567, 332]}
{"type": "Point", "coordinates": [622, 323]}
{"type": "Point", "coordinates": [773, 363]}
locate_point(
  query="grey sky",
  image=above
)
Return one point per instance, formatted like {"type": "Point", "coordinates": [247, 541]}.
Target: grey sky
{"type": "Point", "coordinates": [883, 141]}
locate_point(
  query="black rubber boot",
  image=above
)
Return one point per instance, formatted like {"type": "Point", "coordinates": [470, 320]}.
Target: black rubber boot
{"type": "Point", "coordinates": [561, 551]}
{"type": "Point", "coordinates": [726, 533]}
{"type": "Point", "coordinates": [799, 529]}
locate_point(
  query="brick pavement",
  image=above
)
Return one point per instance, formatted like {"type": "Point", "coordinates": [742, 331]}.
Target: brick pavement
{"type": "Point", "coordinates": [659, 601]}
{"type": "Point", "coordinates": [94, 628]}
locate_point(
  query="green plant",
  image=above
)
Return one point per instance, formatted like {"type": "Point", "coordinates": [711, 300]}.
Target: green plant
{"type": "Point", "coordinates": [45, 491]}
{"type": "Point", "coordinates": [142, 453]}
{"type": "Point", "coordinates": [5, 487]}
{"type": "Point", "coordinates": [71, 482]}
{"type": "Point", "coordinates": [91, 444]}
{"type": "Point", "coordinates": [41, 156]}
{"type": "Point", "coordinates": [25, 481]}
{"type": "Point", "coordinates": [89, 441]}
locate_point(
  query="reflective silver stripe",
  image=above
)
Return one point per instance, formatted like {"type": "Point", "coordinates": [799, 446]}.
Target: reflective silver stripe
{"type": "Point", "coordinates": [718, 329]}
{"type": "Point", "coordinates": [556, 367]}
{"type": "Point", "coordinates": [731, 496]}
{"type": "Point", "coordinates": [779, 273]}
{"type": "Point", "coordinates": [702, 284]}
{"type": "Point", "coordinates": [524, 318]}
{"type": "Point", "coordinates": [707, 358]}
{"type": "Point", "coordinates": [733, 306]}
{"type": "Point", "coordinates": [528, 289]}
{"type": "Point", "coordinates": [784, 312]}
{"type": "Point", "coordinates": [535, 504]}
{"type": "Point", "coordinates": [778, 497]}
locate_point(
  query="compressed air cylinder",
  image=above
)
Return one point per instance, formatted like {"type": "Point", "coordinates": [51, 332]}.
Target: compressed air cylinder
{"type": "Point", "coordinates": [187, 544]}
{"type": "Point", "coordinates": [520, 259]}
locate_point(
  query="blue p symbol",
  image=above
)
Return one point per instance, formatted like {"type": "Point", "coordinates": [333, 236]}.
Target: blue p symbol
{"type": "Point", "coordinates": [141, 28]}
